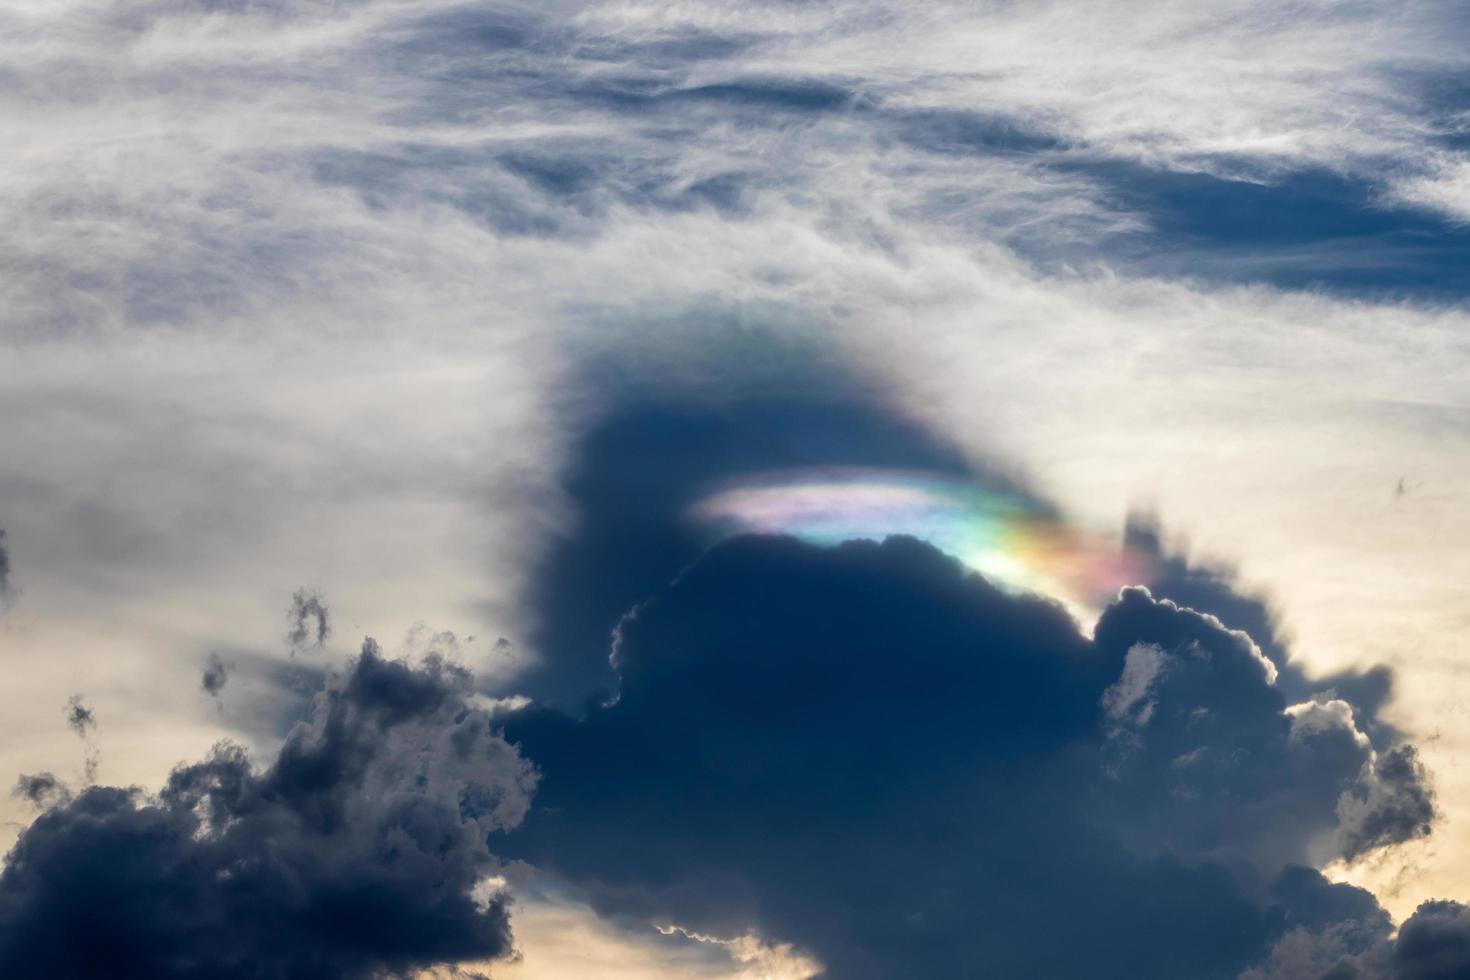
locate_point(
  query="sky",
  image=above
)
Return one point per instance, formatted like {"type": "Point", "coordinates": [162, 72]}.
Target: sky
{"type": "Point", "coordinates": [777, 489]}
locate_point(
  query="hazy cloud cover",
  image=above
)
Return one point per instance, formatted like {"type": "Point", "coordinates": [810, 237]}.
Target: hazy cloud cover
{"type": "Point", "coordinates": [452, 310]}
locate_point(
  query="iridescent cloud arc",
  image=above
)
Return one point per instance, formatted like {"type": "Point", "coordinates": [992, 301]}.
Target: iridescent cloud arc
{"type": "Point", "coordinates": [1003, 536]}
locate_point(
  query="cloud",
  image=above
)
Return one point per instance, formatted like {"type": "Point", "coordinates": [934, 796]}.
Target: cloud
{"type": "Point", "coordinates": [561, 939]}
{"type": "Point", "coordinates": [215, 676]}
{"type": "Point", "coordinates": [1394, 804]}
{"type": "Point", "coordinates": [1128, 696]}
{"type": "Point", "coordinates": [692, 430]}
{"type": "Point", "coordinates": [1432, 944]}
{"type": "Point", "coordinates": [1027, 207]}
{"type": "Point", "coordinates": [360, 852]}
{"type": "Point", "coordinates": [42, 789]}
{"type": "Point", "coordinates": [1435, 943]}
{"type": "Point", "coordinates": [80, 719]}
{"type": "Point", "coordinates": [4, 567]}
{"type": "Point", "coordinates": [1216, 590]}
{"type": "Point", "coordinates": [308, 619]}
{"type": "Point", "coordinates": [989, 122]}
{"type": "Point", "coordinates": [1445, 189]}
{"type": "Point", "coordinates": [882, 760]}
{"type": "Point", "coordinates": [764, 960]}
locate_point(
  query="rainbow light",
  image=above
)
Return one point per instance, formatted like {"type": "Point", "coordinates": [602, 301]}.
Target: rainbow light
{"type": "Point", "coordinates": [1004, 537]}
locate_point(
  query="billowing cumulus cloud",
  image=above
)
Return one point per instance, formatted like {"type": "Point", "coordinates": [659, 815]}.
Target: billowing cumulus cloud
{"type": "Point", "coordinates": [1352, 942]}
{"type": "Point", "coordinates": [1215, 590]}
{"type": "Point", "coordinates": [900, 770]}
{"type": "Point", "coordinates": [876, 756]}
{"type": "Point", "coordinates": [360, 852]}
{"type": "Point", "coordinates": [1434, 944]}
{"type": "Point", "coordinates": [1393, 806]}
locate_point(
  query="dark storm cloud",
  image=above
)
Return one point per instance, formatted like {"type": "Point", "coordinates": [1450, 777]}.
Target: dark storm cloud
{"type": "Point", "coordinates": [878, 756]}
{"type": "Point", "coordinates": [1434, 944]}
{"type": "Point", "coordinates": [1221, 731]}
{"type": "Point", "coordinates": [1348, 940]}
{"type": "Point", "coordinates": [355, 855]}
{"type": "Point", "coordinates": [308, 618]}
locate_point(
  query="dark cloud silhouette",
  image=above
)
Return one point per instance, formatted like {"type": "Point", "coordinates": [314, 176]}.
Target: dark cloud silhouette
{"type": "Point", "coordinates": [1352, 942]}
{"type": "Point", "coordinates": [1434, 944]}
{"type": "Point", "coordinates": [79, 717]}
{"type": "Point", "coordinates": [1396, 806]}
{"type": "Point", "coordinates": [357, 854]}
{"type": "Point", "coordinates": [309, 620]}
{"type": "Point", "coordinates": [873, 754]}
{"type": "Point", "coordinates": [752, 398]}
{"type": "Point", "coordinates": [876, 755]}
{"type": "Point", "coordinates": [1214, 589]}
{"type": "Point", "coordinates": [1332, 931]}
{"type": "Point", "coordinates": [215, 675]}
{"type": "Point", "coordinates": [43, 789]}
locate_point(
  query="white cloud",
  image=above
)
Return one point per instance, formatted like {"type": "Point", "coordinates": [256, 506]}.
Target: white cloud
{"type": "Point", "coordinates": [1446, 188]}
{"type": "Point", "coordinates": [1141, 667]}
